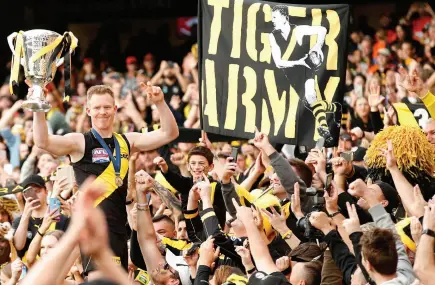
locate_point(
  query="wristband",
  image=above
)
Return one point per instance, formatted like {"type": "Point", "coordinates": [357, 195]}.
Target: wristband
{"type": "Point", "coordinates": [334, 214]}
{"type": "Point", "coordinates": [250, 271]}
{"type": "Point", "coordinates": [142, 205]}
{"type": "Point", "coordinates": [287, 234]}
{"type": "Point", "coordinates": [39, 233]}
{"type": "Point", "coordinates": [429, 232]}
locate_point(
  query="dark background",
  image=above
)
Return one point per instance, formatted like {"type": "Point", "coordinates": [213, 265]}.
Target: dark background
{"type": "Point", "coordinates": [118, 18]}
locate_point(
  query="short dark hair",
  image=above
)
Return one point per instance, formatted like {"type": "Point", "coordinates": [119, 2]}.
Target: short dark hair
{"type": "Point", "coordinates": [312, 272]}
{"type": "Point", "coordinates": [282, 9]}
{"type": "Point", "coordinates": [379, 248]}
{"type": "Point", "coordinates": [302, 170]}
{"type": "Point", "coordinates": [202, 151]}
{"type": "Point", "coordinates": [165, 218]}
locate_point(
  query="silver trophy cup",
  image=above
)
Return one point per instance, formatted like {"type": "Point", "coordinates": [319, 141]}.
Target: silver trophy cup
{"type": "Point", "coordinates": [40, 71]}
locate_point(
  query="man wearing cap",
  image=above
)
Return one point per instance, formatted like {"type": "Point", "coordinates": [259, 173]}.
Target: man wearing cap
{"type": "Point", "coordinates": [170, 79]}
{"type": "Point", "coordinates": [27, 225]}
{"type": "Point", "coordinates": [130, 76]}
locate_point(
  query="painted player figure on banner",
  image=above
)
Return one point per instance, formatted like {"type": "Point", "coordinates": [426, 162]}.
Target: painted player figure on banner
{"type": "Point", "coordinates": [308, 64]}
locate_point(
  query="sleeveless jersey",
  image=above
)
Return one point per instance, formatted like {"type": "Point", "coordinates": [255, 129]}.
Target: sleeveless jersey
{"type": "Point", "coordinates": [96, 162]}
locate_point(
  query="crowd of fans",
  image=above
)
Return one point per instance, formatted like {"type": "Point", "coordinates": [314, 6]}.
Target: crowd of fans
{"type": "Point", "coordinates": [237, 212]}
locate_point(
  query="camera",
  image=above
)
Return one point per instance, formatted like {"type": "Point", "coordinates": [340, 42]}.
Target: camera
{"type": "Point", "coordinates": [310, 232]}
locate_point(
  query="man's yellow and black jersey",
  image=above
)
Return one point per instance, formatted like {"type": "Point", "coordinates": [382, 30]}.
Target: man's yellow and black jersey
{"type": "Point", "coordinates": [413, 115]}
{"type": "Point", "coordinates": [96, 162]}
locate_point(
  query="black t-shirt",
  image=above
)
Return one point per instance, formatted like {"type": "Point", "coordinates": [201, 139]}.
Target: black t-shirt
{"type": "Point", "coordinates": [32, 228]}
{"type": "Point", "coordinates": [171, 90]}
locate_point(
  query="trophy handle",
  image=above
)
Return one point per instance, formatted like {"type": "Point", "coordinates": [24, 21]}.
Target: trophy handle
{"type": "Point", "coordinates": [59, 62]}
{"type": "Point", "coordinates": [11, 41]}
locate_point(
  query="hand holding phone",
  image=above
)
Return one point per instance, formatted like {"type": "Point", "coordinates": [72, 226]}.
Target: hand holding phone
{"type": "Point", "coordinates": [54, 204]}
{"type": "Point", "coordinates": [328, 183]}
{"type": "Point", "coordinates": [234, 153]}
{"type": "Point", "coordinates": [29, 192]}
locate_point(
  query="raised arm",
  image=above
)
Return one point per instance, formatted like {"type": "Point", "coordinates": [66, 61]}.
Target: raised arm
{"type": "Point", "coordinates": [72, 143]}
{"type": "Point", "coordinates": [145, 233]}
{"type": "Point", "coordinates": [168, 130]}
{"type": "Point", "coordinates": [424, 264]}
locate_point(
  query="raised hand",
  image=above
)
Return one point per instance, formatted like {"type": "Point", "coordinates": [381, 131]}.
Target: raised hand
{"type": "Point", "coordinates": [229, 171]}
{"type": "Point", "coordinates": [208, 254]}
{"type": "Point", "coordinates": [277, 220]}
{"type": "Point", "coordinates": [296, 202]}
{"type": "Point", "coordinates": [429, 218]}
{"type": "Point", "coordinates": [154, 93]}
{"type": "Point", "coordinates": [352, 224]}
{"type": "Point", "coordinates": [331, 199]}
{"type": "Point", "coordinates": [416, 229]}
{"type": "Point", "coordinates": [389, 156]}
{"type": "Point", "coordinates": [357, 188]}
{"type": "Point", "coordinates": [412, 83]}
{"type": "Point", "coordinates": [283, 263]}
{"type": "Point", "coordinates": [245, 254]}
{"type": "Point", "coordinates": [321, 221]}
{"type": "Point", "coordinates": [144, 182]}
{"type": "Point", "coordinates": [49, 217]}
{"type": "Point", "coordinates": [244, 214]}
{"type": "Point", "coordinates": [161, 163]}
{"type": "Point", "coordinates": [178, 159]}
{"type": "Point", "coordinates": [375, 98]}
{"type": "Point", "coordinates": [261, 140]}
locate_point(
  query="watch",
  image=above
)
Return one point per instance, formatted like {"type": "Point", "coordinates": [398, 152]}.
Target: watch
{"type": "Point", "coordinates": [334, 214]}
{"type": "Point", "coordinates": [129, 202]}
{"type": "Point", "coordinates": [429, 232]}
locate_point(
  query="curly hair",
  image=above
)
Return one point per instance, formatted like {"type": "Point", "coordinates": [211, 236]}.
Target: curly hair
{"type": "Point", "coordinates": [282, 9]}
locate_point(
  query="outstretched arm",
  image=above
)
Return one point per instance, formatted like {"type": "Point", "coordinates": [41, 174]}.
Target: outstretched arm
{"type": "Point", "coordinates": [168, 131]}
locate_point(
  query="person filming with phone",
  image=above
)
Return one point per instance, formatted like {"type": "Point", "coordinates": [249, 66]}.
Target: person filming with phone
{"type": "Point", "coordinates": [28, 225]}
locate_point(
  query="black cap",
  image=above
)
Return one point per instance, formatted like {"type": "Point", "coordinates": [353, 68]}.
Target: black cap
{"type": "Point", "coordinates": [33, 179]}
{"type": "Point", "coordinates": [261, 278]}
{"type": "Point", "coordinates": [390, 195]}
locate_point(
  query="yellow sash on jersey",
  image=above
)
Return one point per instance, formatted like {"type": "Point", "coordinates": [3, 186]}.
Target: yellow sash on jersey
{"type": "Point", "coordinates": [107, 178]}
{"type": "Point", "coordinates": [405, 115]}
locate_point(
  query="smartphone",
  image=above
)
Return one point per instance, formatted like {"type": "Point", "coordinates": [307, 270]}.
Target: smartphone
{"type": "Point", "coordinates": [320, 143]}
{"type": "Point", "coordinates": [328, 183]}
{"type": "Point", "coordinates": [347, 155]}
{"type": "Point", "coordinates": [234, 153]}
{"type": "Point", "coordinates": [23, 272]}
{"type": "Point", "coordinates": [30, 193]}
{"type": "Point", "coordinates": [54, 203]}
{"type": "Point", "coordinates": [65, 172]}
{"type": "Point", "coordinates": [170, 64]}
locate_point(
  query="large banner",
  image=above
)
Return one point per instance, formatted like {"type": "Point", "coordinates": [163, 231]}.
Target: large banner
{"type": "Point", "coordinates": [278, 67]}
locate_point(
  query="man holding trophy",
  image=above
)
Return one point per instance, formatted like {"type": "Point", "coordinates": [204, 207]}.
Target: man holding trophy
{"type": "Point", "coordinates": [100, 152]}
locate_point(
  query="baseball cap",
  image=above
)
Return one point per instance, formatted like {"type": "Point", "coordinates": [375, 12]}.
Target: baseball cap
{"type": "Point", "coordinates": [148, 56]}
{"type": "Point", "coordinates": [33, 179]}
{"type": "Point", "coordinates": [261, 278]}
{"type": "Point", "coordinates": [130, 60]}
{"type": "Point", "coordinates": [384, 51]}
{"type": "Point", "coordinates": [390, 195]}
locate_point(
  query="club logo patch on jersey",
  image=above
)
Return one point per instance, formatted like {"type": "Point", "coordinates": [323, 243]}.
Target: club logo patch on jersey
{"type": "Point", "coordinates": [100, 155]}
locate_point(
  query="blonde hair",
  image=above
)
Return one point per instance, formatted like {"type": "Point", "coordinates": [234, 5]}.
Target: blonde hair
{"type": "Point", "coordinates": [99, 90]}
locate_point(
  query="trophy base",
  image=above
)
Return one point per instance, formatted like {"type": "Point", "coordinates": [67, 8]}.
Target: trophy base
{"type": "Point", "coordinates": [36, 105]}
